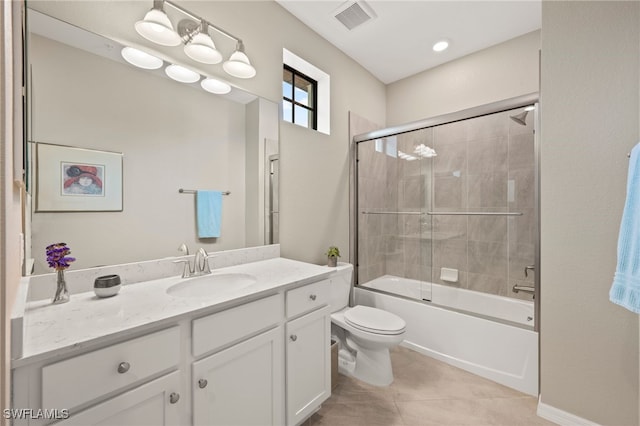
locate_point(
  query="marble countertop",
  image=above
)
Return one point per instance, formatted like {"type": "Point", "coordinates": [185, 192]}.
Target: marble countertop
{"type": "Point", "coordinates": [57, 329]}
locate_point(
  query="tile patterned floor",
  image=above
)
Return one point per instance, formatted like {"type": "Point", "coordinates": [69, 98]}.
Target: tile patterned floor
{"type": "Point", "coordinates": [426, 392]}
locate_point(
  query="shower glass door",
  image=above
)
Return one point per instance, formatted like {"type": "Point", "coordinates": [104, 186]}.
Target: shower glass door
{"type": "Point", "coordinates": [394, 232]}
{"type": "Point", "coordinates": [483, 205]}
{"type": "Point", "coordinates": [448, 214]}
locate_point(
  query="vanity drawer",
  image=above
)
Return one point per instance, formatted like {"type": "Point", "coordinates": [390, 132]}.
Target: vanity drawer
{"type": "Point", "coordinates": [80, 379]}
{"type": "Point", "coordinates": [220, 329]}
{"type": "Point", "coordinates": [307, 298]}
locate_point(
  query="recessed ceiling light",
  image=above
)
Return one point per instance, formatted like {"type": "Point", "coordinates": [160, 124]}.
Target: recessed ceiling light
{"type": "Point", "coordinates": [440, 45]}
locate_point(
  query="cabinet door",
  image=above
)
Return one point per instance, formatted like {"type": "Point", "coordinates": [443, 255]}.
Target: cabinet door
{"type": "Point", "coordinates": [308, 364]}
{"type": "Point", "coordinates": [242, 385]}
{"type": "Point", "coordinates": [155, 404]}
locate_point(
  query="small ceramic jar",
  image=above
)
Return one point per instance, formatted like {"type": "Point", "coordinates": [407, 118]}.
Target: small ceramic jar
{"type": "Point", "coordinates": [107, 285]}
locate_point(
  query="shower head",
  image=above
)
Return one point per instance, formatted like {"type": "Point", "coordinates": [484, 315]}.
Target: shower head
{"type": "Point", "coordinates": [520, 118]}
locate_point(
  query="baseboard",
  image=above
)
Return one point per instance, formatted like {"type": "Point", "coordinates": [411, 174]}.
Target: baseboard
{"type": "Point", "coordinates": [560, 417]}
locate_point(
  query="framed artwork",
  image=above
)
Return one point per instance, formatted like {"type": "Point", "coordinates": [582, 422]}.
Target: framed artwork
{"type": "Point", "coordinates": [70, 179]}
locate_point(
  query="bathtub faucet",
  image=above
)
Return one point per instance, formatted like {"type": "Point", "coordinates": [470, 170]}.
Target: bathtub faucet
{"type": "Point", "coordinates": [525, 288]}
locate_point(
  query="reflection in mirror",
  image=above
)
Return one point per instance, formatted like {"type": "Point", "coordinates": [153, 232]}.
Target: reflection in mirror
{"type": "Point", "coordinates": [82, 94]}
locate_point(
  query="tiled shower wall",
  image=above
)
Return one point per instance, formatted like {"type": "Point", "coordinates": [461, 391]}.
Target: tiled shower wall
{"type": "Point", "coordinates": [484, 164]}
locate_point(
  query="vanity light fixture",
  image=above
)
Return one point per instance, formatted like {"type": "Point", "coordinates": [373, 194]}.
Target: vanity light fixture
{"type": "Point", "coordinates": [199, 44]}
{"type": "Point", "coordinates": [217, 87]}
{"type": "Point", "coordinates": [141, 59]}
{"type": "Point", "coordinates": [157, 27]}
{"type": "Point", "coordinates": [440, 45]}
{"type": "Point", "coordinates": [194, 33]}
{"type": "Point", "coordinates": [238, 64]}
{"type": "Point", "coordinates": [181, 74]}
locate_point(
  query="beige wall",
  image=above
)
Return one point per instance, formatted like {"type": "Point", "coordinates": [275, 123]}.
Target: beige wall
{"type": "Point", "coordinates": [499, 72]}
{"type": "Point", "coordinates": [590, 118]}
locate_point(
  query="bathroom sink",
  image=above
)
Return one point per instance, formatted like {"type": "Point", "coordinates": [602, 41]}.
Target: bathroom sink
{"type": "Point", "coordinates": [208, 285]}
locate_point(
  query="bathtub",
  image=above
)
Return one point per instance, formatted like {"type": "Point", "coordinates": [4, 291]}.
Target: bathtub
{"type": "Point", "coordinates": [491, 336]}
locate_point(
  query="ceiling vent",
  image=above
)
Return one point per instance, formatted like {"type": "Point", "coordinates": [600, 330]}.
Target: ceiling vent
{"type": "Point", "coordinates": [352, 14]}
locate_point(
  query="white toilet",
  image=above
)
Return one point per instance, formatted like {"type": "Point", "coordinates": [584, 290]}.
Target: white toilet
{"type": "Point", "coordinates": [365, 334]}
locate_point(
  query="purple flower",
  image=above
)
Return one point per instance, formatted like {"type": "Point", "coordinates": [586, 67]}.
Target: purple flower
{"type": "Point", "coordinates": [57, 256]}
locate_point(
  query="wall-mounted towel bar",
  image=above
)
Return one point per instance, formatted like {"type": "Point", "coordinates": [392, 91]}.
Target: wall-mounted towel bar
{"type": "Point", "coordinates": [451, 213]}
{"type": "Point", "coordinates": [475, 213]}
{"type": "Point", "coordinates": [409, 213]}
{"type": "Point", "coordinates": [193, 191]}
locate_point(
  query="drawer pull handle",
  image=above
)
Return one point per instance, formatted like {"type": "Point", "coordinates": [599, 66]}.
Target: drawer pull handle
{"type": "Point", "coordinates": [202, 383]}
{"type": "Point", "coordinates": [312, 297]}
{"type": "Point", "coordinates": [174, 397]}
{"type": "Point", "coordinates": [293, 337]}
{"type": "Point", "coordinates": [123, 367]}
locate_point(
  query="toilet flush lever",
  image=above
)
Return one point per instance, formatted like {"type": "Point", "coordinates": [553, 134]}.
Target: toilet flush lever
{"type": "Point", "coordinates": [312, 297]}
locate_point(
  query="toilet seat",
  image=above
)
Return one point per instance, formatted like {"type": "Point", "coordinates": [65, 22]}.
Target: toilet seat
{"type": "Point", "coordinates": [373, 320]}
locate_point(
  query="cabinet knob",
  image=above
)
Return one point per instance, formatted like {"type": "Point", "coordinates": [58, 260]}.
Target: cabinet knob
{"type": "Point", "coordinates": [312, 297]}
{"type": "Point", "coordinates": [202, 383]}
{"type": "Point", "coordinates": [293, 337]}
{"type": "Point", "coordinates": [174, 397]}
{"type": "Point", "coordinates": [123, 367]}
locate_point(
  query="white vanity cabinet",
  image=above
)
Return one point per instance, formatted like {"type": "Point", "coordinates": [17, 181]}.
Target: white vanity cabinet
{"type": "Point", "coordinates": [132, 382]}
{"type": "Point", "coordinates": [308, 365]}
{"type": "Point", "coordinates": [244, 383]}
{"type": "Point", "coordinates": [154, 404]}
{"type": "Point", "coordinates": [263, 359]}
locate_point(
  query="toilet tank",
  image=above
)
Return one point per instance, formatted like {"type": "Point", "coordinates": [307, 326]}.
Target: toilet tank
{"type": "Point", "coordinates": [341, 282]}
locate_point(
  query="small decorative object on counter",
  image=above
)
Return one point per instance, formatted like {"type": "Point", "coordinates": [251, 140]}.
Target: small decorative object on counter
{"type": "Point", "coordinates": [107, 285]}
{"type": "Point", "coordinates": [332, 256]}
{"type": "Point", "coordinates": [57, 259]}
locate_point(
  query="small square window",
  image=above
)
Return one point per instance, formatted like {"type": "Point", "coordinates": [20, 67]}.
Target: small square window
{"type": "Point", "coordinates": [299, 98]}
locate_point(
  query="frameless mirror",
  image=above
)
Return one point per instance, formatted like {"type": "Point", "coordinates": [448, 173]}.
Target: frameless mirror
{"type": "Point", "coordinates": [110, 145]}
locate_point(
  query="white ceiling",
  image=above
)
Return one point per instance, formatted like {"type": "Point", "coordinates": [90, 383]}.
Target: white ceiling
{"type": "Point", "coordinates": [397, 43]}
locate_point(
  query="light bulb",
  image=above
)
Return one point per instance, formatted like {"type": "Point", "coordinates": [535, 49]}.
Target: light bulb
{"type": "Point", "coordinates": [141, 59]}
{"type": "Point", "coordinates": [182, 74]}
{"type": "Point", "coordinates": [202, 49]}
{"type": "Point", "coordinates": [215, 86]}
{"type": "Point", "coordinates": [157, 28]}
{"type": "Point", "coordinates": [239, 66]}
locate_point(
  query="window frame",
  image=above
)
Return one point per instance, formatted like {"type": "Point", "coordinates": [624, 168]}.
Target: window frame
{"type": "Point", "coordinates": [313, 108]}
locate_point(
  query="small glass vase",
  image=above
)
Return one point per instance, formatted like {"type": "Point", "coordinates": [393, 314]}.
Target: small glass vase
{"type": "Point", "coordinates": [62, 294]}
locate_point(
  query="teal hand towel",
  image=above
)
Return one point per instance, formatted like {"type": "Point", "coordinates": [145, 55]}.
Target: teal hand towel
{"type": "Point", "coordinates": [209, 213]}
{"type": "Point", "coordinates": [625, 290]}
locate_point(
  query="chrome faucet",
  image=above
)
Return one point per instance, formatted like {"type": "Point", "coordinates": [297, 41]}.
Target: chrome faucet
{"type": "Point", "coordinates": [200, 264]}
